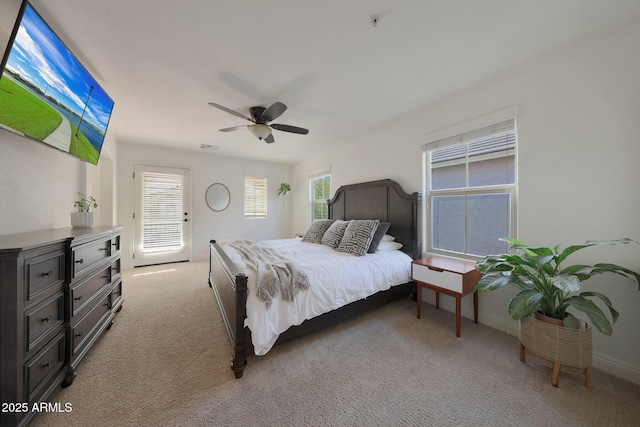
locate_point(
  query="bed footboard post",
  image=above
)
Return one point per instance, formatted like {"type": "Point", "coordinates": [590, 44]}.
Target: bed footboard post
{"type": "Point", "coordinates": [211, 242]}
{"type": "Point", "coordinates": [230, 289]}
{"type": "Point", "coordinates": [241, 347]}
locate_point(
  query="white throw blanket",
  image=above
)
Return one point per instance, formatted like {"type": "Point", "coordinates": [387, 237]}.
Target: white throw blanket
{"type": "Point", "coordinates": [274, 273]}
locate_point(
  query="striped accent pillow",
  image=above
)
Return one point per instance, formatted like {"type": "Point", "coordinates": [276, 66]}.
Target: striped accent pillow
{"type": "Point", "coordinates": [316, 231]}
{"type": "Point", "coordinates": [358, 236]}
{"type": "Point", "coordinates": [334, 234]}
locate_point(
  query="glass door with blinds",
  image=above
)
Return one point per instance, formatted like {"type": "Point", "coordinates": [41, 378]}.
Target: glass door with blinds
{"type": "Point", "coordinates": [161, 218]}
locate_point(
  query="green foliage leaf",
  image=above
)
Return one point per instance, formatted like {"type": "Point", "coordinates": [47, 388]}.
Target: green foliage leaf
{"type": "Point", "coordinates": [492, 265]}
{"type": "Point", "coordinates": [525, 303]}
{"type": "Point", "coordinates": [571, 249]}
{"type": "Point", "coordinates": [489, 282]}
{"type": "Point", "coordinates": [568, 251]}
{"type": "Point", "coordinates": [623, 241]}
{"type": "Point", "coordinates": [624, 272]}
{"type": "Point", "coordinates": [570, 322]}
{"type": "Point", "coordinates": [607, 302]}
{"type": "Point", "coordinates": [582, 271]}
{"type": "Point", "coordinates": [515, 243]}
{"type": "Point", "coordinates": [542, 252]}
{"type": "Point", "coordinates": [596, 316]}
{"type": "Point", "coordinates": [567, 282]}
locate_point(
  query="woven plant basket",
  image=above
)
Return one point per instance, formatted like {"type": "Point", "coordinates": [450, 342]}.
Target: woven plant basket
{"type": "Point", "coordinates": [548, 344]}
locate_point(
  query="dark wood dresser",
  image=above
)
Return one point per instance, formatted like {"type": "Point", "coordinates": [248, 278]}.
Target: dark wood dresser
{"type": "Point", "coordinates": [59, 290]}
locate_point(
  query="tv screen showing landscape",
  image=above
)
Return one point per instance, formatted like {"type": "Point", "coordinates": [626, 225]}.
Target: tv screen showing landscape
{"type": "Point", "coordinates": [48, 96]}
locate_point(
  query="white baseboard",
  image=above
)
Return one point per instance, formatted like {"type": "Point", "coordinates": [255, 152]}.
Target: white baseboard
{"type": "Point", "coordinates": [601, 361]}
{"type": "Point", "coordinates": [616, 367]}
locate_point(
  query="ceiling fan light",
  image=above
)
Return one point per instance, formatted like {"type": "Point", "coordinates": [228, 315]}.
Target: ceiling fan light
{"type": "Point", "coordinates": [260, 131]}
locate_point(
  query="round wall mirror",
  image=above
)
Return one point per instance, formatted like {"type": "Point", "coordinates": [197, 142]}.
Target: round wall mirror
{"type": "Point", "coordinates": [217, 197]}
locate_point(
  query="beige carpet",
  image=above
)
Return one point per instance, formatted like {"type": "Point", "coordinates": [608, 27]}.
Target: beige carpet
{"type": "Point", "coordinates": [165, 362]}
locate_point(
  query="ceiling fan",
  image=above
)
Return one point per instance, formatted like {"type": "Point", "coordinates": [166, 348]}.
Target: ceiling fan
{"type": "Point", "coordinates": [260, 117]}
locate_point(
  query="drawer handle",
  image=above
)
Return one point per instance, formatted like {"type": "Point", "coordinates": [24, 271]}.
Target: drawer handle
{"type": "Point", "coordinates": [114, 244]}
{"type": "Point", "coordinates": [47, 319]}
{"type": "Point", "coordinates": [78, 298]}
{"type": "Point", "coordinates": [104, 249]}
{"type": "Point", "coordinates": [48, 364]}
{"type": "Point", "coordinates": [79, 334]}
{"type": "Point", "coordinates": [48, 274]}
{"type": "Point", "coordinates": [80, 261]}
{"type": "Point", "coordinates": [439, 270]}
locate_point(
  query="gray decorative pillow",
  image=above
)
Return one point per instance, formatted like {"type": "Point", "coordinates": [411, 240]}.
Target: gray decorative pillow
{"type": "Point", "coordinates": [316, 231]}
{"type": "Point", "coordinates": [377, 237]}
{"type": "Point", "coordinates": [358, 236]}
{"type": "Point", "coordinates": [334, 234]}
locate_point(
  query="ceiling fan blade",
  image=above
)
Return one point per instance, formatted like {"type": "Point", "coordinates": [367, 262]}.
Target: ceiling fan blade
{"type": "Point", "coordinates": [233, 128]}
{"type": "Point", "coordinates": [273, 112]}
{"type": "Point", "coordinates": [289, 128]}
{"type": "Point", "coordinates": [270, 139]}
{"type": "Point", "coordinates": [230, 111]}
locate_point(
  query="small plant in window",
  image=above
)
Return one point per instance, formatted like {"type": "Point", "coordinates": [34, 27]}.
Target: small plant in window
{"type": "Point", "coordinates": [284, 189]}
{"type": "Point", "coordinates": [85, 203]}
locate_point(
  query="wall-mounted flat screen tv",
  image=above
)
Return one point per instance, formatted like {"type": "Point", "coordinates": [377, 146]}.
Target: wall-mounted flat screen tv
{"type": "Point", "coordinates": [47, 95]}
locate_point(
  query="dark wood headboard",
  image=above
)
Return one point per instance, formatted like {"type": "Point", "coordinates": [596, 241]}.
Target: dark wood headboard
{"type": "Point", "coordinates": [383, 200]}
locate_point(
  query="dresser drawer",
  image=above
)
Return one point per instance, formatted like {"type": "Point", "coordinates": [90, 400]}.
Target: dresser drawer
{"type": "Point", "coordinates": [116, 269]}
{"type": "Point", "coordinates": [90, 324]}
{"type": "Point", "coordinates": [41, 370]}
{"type": "Point", "coordinates": [440, 278]}
{"type": "Point", "coordinates": [116, 295]}
{"type": "Point", "coordinates": [43, 319]}
{"type": "Point", "coordinates": [87, 256]}
{"type": "Point", "coordinates": [43, 272]}
{"type": "Point", "coordinates": [83, 292]}
{"type": "Point", "coordinates": [115, 245]}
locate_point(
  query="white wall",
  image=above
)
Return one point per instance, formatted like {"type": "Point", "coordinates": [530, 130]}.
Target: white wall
{"type": "Point", "coordinates": [8, 13]}
{"type": "Point", "coordinates": [206, 169]}
{"type": "Point", "coordinates": [578, 133]}
{"type": "Point", "coordinates": [39, 185]}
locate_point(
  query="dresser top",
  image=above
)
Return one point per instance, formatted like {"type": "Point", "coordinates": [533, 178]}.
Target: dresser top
{"type": "Point", "coordinates": [23, 241]}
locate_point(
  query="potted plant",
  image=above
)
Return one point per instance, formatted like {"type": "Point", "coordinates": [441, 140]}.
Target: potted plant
{"type": "Point", "coordinates": [284, 189]}
{"type": "Point", "coordinates": [548, 288]}
{"type": "Point", "coordinates": [83, 217]}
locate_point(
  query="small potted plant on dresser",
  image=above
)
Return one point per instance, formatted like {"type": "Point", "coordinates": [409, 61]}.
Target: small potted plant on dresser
{"type": "Point", "coordinates": [83, 217]}
{"type": "Point", "coordinates": [548, 331]}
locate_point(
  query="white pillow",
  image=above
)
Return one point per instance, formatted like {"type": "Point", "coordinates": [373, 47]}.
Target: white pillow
{"type": "Point", "coordinates": [388, 246]}
{"type": "Point", "coordinates": [387, 238]}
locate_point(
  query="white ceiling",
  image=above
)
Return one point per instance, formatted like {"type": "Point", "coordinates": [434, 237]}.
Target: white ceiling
{"type": "Point", "coordinates": [162, 61]}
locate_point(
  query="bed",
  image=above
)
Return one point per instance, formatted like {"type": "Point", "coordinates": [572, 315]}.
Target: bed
{"type": "Point", "coordinates": [232, 282]}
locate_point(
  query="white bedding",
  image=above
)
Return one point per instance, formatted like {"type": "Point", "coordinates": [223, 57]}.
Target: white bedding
{"type": "Point", "coordinates": [336, 279]}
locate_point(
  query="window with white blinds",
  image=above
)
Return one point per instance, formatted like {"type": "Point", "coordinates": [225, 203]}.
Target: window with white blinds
{"type": "Point", "coordinates": [320, 192]}
{"type": "Point", "coordinates": [162, 212]}
{"type": "Point", "coordinates": [471, 198]}
{"type": "Point", "coordinates": [255, 197]}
